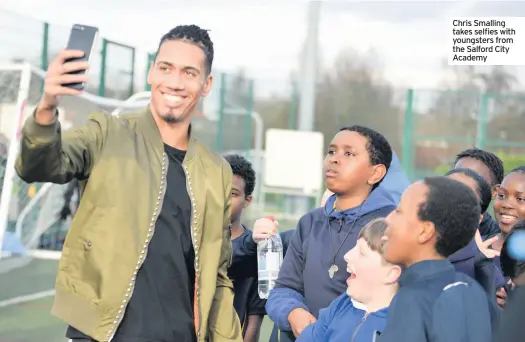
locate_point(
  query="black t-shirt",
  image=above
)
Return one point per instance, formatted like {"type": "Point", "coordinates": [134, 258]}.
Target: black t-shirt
{"type": "Point", "coordinates": [161, 307]}
{"type": "Point", "coordinates": [243, 274]}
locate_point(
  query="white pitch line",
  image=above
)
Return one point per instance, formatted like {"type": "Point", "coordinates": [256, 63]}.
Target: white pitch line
{"type": "Point", "coordinates": [27, 298]}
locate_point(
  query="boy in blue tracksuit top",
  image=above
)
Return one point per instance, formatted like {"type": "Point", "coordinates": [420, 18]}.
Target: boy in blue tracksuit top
{"type": "Point", "coordinates": [313, 271]}
{"type": "Point", "coordinates": [435, 218]}
{"type": "Point", "coordinates": [372, 283]}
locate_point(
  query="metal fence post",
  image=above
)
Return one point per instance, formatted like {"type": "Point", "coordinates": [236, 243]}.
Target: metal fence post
{"type": "Point", "coordinates": [102, 79]}
{"type": "Point", "coordinates": [150, 60]}
{"type": "Point", "coordinates": [132, 73]}
{"type": "Point", "coordinates": [44, 55]}
{"type": "Point", "coordinates": [408, 139]}
{"type": "Point", "coordinates": [292, 115]}
{"type": "Point", "coordinates": [481, 132]}
{"type": "Point", "coordinates": [249, 114]}
{"type": "Point", "coordinates": [222, 106]}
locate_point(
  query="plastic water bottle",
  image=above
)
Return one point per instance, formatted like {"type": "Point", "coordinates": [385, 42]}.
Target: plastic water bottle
{"type": "Point", "coordinates": [269, 260]}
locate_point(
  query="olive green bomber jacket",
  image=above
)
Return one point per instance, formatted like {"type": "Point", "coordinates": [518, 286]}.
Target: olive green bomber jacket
{"type": "Point", "coordinates": [122, 167]}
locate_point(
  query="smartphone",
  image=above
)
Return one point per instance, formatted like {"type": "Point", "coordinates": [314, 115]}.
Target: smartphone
{"type": "Point", "coordinates": [83, 38]}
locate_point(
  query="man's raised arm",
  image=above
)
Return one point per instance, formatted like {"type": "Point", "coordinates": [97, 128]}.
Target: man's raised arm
{"type": "Point", "coordinates": [47, 155]}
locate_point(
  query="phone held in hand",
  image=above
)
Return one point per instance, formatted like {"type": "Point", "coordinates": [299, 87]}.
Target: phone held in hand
{"type": "Point", "coordinates": [83, 38]}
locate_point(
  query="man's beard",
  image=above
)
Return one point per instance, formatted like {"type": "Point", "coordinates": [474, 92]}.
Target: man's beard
{"type": "Point", "coordinates": [170, 118]}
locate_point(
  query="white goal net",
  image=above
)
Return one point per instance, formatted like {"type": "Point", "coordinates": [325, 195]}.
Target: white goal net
{"type": "Point", "coordinates": [30, 213]}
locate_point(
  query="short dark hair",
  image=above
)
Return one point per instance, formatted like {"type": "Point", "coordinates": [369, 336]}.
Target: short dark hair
{"type": "Point", "coordinates": [193, 34]}
{"type": "Point", "coordinates": [242, 168]}
{"type": "Point", "coordinates": [454, 210]}
{"type": "Point", "coordinates": [509, 266]}
{"type": "Point", "coordinates": [483, 188]}
{"type": "Point", "coordinates": [377, 147]}
{"type": "Point", "coordinates": [491, 161]}
{"type": "Point", "coordinates": [519, 169]}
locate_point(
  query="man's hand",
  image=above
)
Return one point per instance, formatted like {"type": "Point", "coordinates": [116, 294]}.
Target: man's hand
{"type": "Point", "coordinates": [264, 228]}
{"type": "Point", "coordinates": [56, 76]}
{"type": "Point", "coordinates": [484, 246]}
{"type": "Point", "coordinates": [300, 319]}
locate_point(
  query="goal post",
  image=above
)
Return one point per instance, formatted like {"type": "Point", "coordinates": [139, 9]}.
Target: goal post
{"type": "Point", "coordinates": [13, 139]}
{"type": "Point", "coordinates": [20, 91]}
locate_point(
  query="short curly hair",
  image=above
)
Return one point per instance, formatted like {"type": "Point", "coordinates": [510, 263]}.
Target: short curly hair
{"type": "Point", "coordinates": [193, 34]}
{"type": "Point", "coordinates": [519, 169]}
{"type": "Point", "coordinates": [242, 168]}
{"type": "Point", "coordinates": [483, 188]}
{"type": "Point", "coordinates": [378, 147]}
{"type": "Point", "coordinates": [454, 210]}
{"type": "Point", "coordinates": [491, 161]}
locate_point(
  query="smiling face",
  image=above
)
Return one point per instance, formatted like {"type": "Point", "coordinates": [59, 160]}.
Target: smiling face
{"type": "Point", "coordinates": [364, 266]}
{"type": "Point", "coordinates": [406, 233]}
{"type": "Point", "coordinates": [369, 273]}
{"type": "Point", "coordinates": [509, 205]}
{"type": "Point", "coordinates": [178, 79]}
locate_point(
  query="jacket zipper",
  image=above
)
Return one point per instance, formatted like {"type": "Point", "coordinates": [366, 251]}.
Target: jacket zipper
{"type": "Point", "coordinates": [193, 231]}
{"type": "Point", "coordinates": [354, 335]}
{"type": "Point", "coordinates": [142, 257]}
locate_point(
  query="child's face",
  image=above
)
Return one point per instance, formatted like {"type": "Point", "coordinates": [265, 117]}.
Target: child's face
{"type": "Point", "coordinates": [239, 198]}
{"type": "Point", "coordinates": [347, 164]}
{"type": "Point", "coordinates": [475, 165]}
{"type": "Point", "coordinates": [509, 205]}
{"type": "Point", "coordinates": [368, 272]}
{"type": "Point", "coordinates": [406, 232]}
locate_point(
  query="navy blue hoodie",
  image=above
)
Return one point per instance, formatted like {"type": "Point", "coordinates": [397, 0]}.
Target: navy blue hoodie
{"type": "Point", "coordinates": [396, 181]}
{"type": "Point", "coordinates": [303, 279]}
{"type": "Point", "coordinates": [488, 227]}
{"type": "Point", "coordinates": [464, 259]}
{"type": "Point", "coordinates": [437, 304]}
{"type": "Point", "coordinates": [470, 261]}
{"type": "Point", "coordinates": [344, 322]}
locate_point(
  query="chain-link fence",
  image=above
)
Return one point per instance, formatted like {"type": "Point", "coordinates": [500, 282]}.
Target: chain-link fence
{"type": "Point", "coordinates": [227, 122]}
{"type": "Point", "coordinates": [117, 71]}
{"type": "Point", "coordinates": [439, 124]}
{"type": "Point", "coordinates": [24, 39]}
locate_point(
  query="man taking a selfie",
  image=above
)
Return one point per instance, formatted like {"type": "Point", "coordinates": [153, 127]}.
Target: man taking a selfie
{"type": "Point", "coordinates": [147, 254]}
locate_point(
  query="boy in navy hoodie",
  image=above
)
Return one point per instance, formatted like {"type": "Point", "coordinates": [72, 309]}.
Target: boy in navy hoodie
{"type": "Point", "coordinates": [372, 283]}
{"type": "Point", "coordinates": [243, 271]}
{"type": "Point", "coordinates": [313, 271]}
{"type": "Point", "coordinates": [435, 218]}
